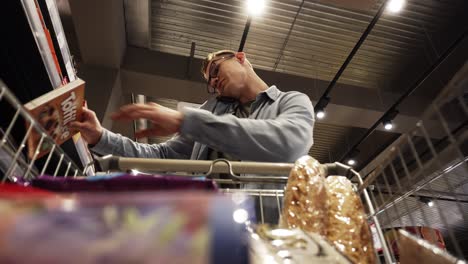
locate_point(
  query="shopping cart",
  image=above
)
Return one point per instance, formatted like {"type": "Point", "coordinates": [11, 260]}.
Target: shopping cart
{"type": "Point", "coordinates": [264, 174]}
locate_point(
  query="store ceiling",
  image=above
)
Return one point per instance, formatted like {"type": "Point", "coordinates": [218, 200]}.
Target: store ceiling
{"type": "Point", "coordinates": [306, 38]}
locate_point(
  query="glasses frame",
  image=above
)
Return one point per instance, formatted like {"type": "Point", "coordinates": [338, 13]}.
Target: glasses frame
{"type": "Point", "coordinates": [216, 62]}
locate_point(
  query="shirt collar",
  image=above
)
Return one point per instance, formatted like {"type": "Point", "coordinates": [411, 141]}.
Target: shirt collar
{"type": "Point", "coordinates": [272, 92]}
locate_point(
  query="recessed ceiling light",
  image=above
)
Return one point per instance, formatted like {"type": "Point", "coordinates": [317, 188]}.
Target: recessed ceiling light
{"type": "Point", "coordinates": [395, 6]}
{"type": "Point", "coordinates": [255, 7]}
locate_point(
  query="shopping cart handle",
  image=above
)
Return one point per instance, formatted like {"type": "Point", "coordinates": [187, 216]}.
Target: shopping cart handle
{"type": "Point", "coordinates": [339, 169]}
{"type": "Point", "coordinates": [107, 163]}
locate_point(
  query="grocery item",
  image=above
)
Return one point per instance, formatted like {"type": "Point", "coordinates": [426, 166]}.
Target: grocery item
{"type": "Point", "coordinates": [121, 182]}
{"type": "Point", "coordinates": [176, 227]}
{"type": "Point", "coordinates": [278, 245]}
{"type": "Point", "coordinates": [329, 207]}
{"type": "Point", "coordinates": [347, 224]}
{"type": "Point", "coordinates": [306, 198]}
{"type": "Point", "coordinates": [417, 250]}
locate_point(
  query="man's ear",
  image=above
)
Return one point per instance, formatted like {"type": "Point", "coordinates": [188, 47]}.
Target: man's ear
{"type": "Point", "coordinates": [241, 57]}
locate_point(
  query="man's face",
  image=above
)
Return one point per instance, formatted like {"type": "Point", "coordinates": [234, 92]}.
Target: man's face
{"type": "Point", "coordinates": [227, 75]}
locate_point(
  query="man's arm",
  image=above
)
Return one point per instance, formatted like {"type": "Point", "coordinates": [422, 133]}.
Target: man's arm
{"type": "Point", "coordinates": [106, 142]}
{"type": "Point", "coordinates": [177, 147]}
{"type": "Point", "coordinates": [283, 139]}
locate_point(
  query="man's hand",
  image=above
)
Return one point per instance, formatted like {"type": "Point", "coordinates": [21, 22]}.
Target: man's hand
{"type": "Point", "coordinates": [89, 127]}
{"type": "Point", "coordinates": [165, 120]}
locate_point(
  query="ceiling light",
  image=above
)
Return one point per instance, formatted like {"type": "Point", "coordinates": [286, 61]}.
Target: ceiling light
{"type": "Point", "coordinates": [320, 107]}
{"type": "Point", "coordinates": [426, 201]}
{"type": "Point", "coordinates": [388, 125]}
{"type": "Point", "coordinates": [352, 157]}
{"type": "Point", "coordinates": [388, 118]}
{"type": "Point", "coordinates": [395, 6]}
{"type": "Point", "coordinates": [255, 7]}
{"type": "Point", "coordinates": [320, 114]}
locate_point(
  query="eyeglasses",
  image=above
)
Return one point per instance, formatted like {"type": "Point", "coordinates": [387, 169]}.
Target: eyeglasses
{"type": "Point", "coordinates": [214, 70]}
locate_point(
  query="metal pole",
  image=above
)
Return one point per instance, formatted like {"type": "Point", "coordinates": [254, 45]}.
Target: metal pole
{"type": "Point", "coordinates": [353, 52]}
{"type": "Point", "coordinates": [134, 121]}
{"type": "Point", "coordinates": [246, 32]}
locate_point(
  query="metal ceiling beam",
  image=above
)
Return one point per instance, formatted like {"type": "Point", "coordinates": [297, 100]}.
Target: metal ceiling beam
{"type": "Point", "coordinates": [286, 40]}
{"type": "Point", "coordinates": [322, 103]}
{"type": "Point", "coordinates": [408, 92]}
{"type": "Point", "coordinates": [246, 32]}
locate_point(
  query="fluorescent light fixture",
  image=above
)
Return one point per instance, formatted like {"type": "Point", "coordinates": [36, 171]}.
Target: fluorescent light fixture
{"type": "Point", "coordinates": [427, 201]}
{"type": "Point", "coordinates": [395, 6]}
{"type": "Point", "coordinates": [255, 7]}
{"type": "Point", "coordinates": [320, 114]}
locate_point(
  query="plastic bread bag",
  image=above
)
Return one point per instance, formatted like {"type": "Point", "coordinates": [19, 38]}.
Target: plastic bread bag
{"type": "Point", "coordinates": [306, 198]}
{"type": "Point", "coordinates": [348, 229]}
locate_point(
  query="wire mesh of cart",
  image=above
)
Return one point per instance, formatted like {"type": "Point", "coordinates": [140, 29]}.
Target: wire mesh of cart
{"type": "Point", "coordinates": [16, 127]}
{"type": "Point", "coordinates": [420, 182]}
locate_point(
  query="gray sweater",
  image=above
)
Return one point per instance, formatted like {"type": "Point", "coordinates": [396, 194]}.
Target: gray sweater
{"type": "Point", "coordinates": [279, 129]}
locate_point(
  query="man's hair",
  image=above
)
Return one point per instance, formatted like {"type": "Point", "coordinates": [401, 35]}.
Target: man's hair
{"type": "Point", "coordinates": [214, 55]}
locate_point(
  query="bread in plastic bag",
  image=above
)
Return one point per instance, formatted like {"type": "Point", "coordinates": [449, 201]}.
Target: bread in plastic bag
{"type": "Point", "coordinates": [347, 223]}
{"type": "Point", "coordinates": [306, 198]}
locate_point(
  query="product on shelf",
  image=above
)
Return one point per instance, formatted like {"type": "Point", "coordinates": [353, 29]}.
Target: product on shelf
{"type": "Point", "coordinates": [54, 111]}
{"type": "Point", "coordinates": [417, 250]}
{"type": "Point", "coordinates": [306, 198]}
{"type": "Point", "coordinates": [429, 234]}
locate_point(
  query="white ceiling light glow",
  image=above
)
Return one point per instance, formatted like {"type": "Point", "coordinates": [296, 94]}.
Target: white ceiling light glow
{"type": "Point", "coordinates": [240, 215]}
{"type": "Point", "coordinates": [320, 114]}
{"type": "Point", "coordinates": [388, 125]}
{"type": "Point", "coordinates": [255, 7]}
{"type": "Point", "coordinates": [395, 6]}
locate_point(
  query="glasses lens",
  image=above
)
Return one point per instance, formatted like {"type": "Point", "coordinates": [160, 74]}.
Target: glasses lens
{"type": "Point", "coordinates": [214, 70]}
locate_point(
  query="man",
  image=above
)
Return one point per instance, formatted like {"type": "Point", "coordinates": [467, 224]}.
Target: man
{"type": "Point", "coordinates": [247, 121]}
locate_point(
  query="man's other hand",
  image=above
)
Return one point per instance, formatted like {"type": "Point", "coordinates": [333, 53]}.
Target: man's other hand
{"type": "Point", "coordinates": [165, 120]}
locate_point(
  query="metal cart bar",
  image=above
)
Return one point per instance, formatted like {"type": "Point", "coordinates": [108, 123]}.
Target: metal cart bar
{"type": "Point", "coordinates": [114, 163]}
